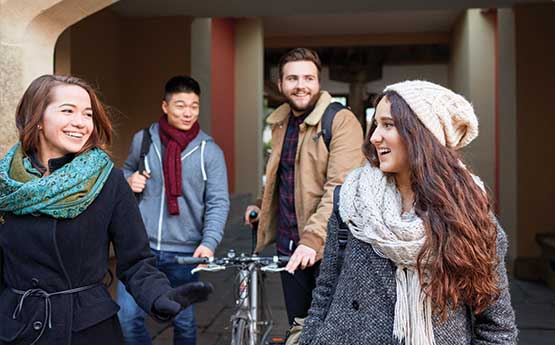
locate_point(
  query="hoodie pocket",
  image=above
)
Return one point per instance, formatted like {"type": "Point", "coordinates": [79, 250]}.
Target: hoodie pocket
{"type": "Point", "coordinates": [176, 234]}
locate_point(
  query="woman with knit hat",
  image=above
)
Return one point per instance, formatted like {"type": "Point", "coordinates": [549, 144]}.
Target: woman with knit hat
{"type": "Point", "coordinates": [424, 260]}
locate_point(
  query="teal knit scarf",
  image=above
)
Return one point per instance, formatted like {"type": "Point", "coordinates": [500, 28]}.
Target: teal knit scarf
{"type": "Point", "coordinates": [65, 193]}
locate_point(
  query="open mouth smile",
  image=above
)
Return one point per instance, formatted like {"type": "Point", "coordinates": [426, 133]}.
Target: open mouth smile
{"type": "Point", "coordinates": [383, 151]}
{"type": "Point", "coordinates": [76, 135]}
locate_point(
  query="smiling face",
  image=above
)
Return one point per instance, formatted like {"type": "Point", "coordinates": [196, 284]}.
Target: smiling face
{"type": "Point", "coordinates": [300, 85]}
{"type": "Point", "coordinates": [182, 109]}
{"type": "Point", "coordinates": [67, 122]}
{"type": "Point", "coordinates": [391, 150]}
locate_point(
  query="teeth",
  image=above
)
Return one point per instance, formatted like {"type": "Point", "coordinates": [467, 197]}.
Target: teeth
{"type": "Point", "coordinates": [383, 151]}
{"type": "Point", "coordinates": [74, 134]}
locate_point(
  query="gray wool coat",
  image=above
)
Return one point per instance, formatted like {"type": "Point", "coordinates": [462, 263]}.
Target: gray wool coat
{"type": "Point", "coordinates": [357, 306]}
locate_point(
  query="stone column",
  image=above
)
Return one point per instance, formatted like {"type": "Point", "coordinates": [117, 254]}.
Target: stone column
{"type": "Point", "coordinates": [249, 94]}
{"type": "Point", "coordinates": [472, 74]}
{"type": "Point", "coordinates": [201, 58]}
{"type": "Point", "coordinates": [508, 210]}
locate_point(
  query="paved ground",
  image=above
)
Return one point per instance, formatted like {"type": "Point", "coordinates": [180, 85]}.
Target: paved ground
{"type": "Point", "coordinates": [534, 303]}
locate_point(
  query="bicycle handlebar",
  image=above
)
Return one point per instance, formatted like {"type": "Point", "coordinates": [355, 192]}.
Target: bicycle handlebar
{"type": "Point", "coordinates": [232, 260]}
{"type": "Point", "coordinates": [254, 235]}
{"type": "Point", "coordinates": [253, 214]}
{"type": "Point", "coordinates": [266, 263]}
{"type": "Point", "coordinates": [189, 260]}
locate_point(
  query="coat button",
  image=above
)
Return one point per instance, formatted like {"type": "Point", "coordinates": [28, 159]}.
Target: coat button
{"type": "Point", "coordinates": [35, 282]}
{"type": "Point", "coordinates": [355, 305]}
{"type": "Point", "coordinates": [37, 325]}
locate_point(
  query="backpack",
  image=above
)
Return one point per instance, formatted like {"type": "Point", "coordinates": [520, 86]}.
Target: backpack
{"type": "Point", "coordinates": [327, 121]}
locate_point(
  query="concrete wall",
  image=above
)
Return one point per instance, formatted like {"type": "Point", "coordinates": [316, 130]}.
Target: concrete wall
{"type": "Point", "coordinates": [472, 74]}
{"type": "Point", "coordinates": [98, 63]}
{"type": "Point", "coordinates": [62, 54]}
{"type": "Point", "coordinates": [459, 66]}
{"type": "Point", "coordinates": [151, 51]}
{"type": "Point", "coordinates": [131, 60]}
{"type": "Point", "coordinates": [535, 76]}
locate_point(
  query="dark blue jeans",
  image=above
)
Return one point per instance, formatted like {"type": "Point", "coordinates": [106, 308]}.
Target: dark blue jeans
{"type": "Point", "coordinates": [132, 317]}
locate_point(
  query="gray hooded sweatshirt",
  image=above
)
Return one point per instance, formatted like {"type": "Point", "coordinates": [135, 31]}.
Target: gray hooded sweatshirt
{"type": "Point", "coordinates": [204, 205]}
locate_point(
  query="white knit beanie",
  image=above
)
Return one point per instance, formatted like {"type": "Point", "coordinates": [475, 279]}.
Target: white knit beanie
{"type": "Point", "coordinates": [447, 115]}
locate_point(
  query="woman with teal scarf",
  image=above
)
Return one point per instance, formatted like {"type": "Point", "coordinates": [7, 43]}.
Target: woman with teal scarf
{"type": "Point", "coordinates": [62, 202]}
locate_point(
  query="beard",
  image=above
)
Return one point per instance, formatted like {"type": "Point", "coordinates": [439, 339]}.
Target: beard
{"type": "Point", "coordinates": [303, 106]}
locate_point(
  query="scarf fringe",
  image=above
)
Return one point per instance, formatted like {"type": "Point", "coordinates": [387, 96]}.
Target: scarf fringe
{"type": "Point", "coordinates": [413, 310]}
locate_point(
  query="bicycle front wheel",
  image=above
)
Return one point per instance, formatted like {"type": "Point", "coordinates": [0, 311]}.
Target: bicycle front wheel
{"type": "Point", "coordinates": [240, 334]}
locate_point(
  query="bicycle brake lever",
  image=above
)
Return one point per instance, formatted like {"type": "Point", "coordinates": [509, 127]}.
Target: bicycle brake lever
{"type": "Point", "coordinates": [272, 268]}
{"type": "Point", "coordinates": [209, 268]}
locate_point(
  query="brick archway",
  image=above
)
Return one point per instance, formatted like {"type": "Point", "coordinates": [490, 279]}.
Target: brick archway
{"type": "Point", "coordinates": [28, 34]}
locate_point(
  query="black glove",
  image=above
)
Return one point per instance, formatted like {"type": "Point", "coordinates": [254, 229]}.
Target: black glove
{"type": "Point", "coordinates": [173, 301]}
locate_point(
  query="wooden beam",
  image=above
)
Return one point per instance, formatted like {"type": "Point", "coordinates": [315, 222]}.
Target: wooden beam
{"type": "Point", "coordinates": [357, 40]}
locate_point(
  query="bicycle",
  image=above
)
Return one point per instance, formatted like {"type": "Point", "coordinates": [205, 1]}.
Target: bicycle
{"type": "Point", "coordinates": [249, 325]}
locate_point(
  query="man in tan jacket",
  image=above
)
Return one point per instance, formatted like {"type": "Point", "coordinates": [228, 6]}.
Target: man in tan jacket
{"type": "Point", "coordinates": [301, 175]}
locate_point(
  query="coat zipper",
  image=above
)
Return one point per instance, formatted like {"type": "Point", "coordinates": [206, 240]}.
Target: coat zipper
{"type": "Point", "coordinates": [159, 239]}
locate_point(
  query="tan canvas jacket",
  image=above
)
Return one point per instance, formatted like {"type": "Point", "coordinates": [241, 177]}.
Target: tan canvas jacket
{"type": "Point", "coordinates": [317, 172]}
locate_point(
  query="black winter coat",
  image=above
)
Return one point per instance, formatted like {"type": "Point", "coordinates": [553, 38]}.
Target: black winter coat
{"type": "Point", "coordinates": [40, 252]}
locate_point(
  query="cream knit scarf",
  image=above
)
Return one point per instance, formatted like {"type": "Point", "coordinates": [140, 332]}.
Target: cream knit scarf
{"type": "Point", "coordinates": [372, 207]}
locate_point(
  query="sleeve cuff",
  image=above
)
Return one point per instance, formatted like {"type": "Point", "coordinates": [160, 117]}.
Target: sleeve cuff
{"type": "Point", "coordinates": [313, 241]}
{"type": "Point", "coordinates": [209, 243]}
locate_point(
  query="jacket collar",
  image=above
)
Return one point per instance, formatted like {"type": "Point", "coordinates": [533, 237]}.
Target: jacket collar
{"type": "Point", "coordinates": [53, 164]}
{"type": "Point", "coordinates": [282, 112]}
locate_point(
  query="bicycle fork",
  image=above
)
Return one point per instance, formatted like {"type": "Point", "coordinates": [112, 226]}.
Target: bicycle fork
{"type": "Point", "coordinates": [254, 304]}
{"type": "Point", "coordinates": [248, 295]}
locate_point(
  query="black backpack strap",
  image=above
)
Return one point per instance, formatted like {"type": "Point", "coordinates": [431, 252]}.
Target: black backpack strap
{"type": "Point", "coordinates": [145, 147]}
{"type": "Point", "coordinates": [327, 121]}
{"type": "Point", "coordinates": [342, 230]}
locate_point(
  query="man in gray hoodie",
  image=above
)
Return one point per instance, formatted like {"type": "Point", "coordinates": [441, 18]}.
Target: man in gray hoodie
{"type": "Point", "coordinates": [184, 200]}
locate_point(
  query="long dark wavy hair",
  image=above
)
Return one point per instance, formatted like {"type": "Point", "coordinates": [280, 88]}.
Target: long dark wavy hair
{"type": "Point", "coordinates": [459, 253]}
